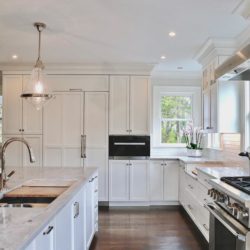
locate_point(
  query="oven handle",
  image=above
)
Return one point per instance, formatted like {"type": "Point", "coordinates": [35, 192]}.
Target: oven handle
{"type": "Point", "coordinates": [215, 211]}
{"type": "Point", "coordinates": [130, 143]}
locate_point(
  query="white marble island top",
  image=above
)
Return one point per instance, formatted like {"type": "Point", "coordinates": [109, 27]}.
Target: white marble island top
{"type": "Point", "coordinates": [18, 226]}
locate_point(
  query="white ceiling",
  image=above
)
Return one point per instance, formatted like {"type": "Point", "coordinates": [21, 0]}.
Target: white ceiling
{"type": "Point", "coordinates": [115, 31]}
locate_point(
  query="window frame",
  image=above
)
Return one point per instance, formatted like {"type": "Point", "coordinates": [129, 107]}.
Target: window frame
{"type": "Point", "coordinates": [158, 93]}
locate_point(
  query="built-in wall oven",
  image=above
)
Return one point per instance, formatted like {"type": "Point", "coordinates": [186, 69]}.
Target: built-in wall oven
{"type": "Point", "coordinates": [125, 146]}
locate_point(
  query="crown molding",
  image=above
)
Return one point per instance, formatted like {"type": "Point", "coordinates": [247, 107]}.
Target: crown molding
{"type": "Point", "coordinates": [214, 47]}
{"type": "Point", "coordinates": [180, 76]}
{"type": "Point", "coordinates": [243, 9]}
{"type": "Point", "coordinates": [126, 68]}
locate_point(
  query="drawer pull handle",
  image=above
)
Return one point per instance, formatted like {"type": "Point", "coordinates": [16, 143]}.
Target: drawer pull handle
{"type": "Point", "coordinates": [96, 190]}
{"type": "Point", "coordinates": [50, 228]}
{"type": "Point", "coordinates": [190, 207]}
{"type": "Point", "coordinates": [76, 209]}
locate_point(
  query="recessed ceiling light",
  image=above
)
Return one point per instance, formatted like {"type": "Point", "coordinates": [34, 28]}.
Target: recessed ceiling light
{"type": "Point", "coordinates": [172, 34]}
{"type": "Point", "coordinates": [14, 56]}
{"type": "Point", "coordinates": [163, 57]}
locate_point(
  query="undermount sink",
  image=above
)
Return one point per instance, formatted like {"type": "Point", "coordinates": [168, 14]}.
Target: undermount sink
{"type": "Point", "coordinates": [35, 193]}
{"type": "Point", "coordinates": [26, 201]}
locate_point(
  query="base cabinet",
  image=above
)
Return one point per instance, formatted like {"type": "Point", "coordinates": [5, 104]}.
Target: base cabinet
{"type": "Point", "coordinates": [128, 180]}
{"type": "Point", "coordinates": [46, 239]}
{"type": "Point", "coordinates": [73, 228]}
{"type": "Point", "coordinates": [193, 196]}
{"type": "Point", "coordinates": [164, 180]}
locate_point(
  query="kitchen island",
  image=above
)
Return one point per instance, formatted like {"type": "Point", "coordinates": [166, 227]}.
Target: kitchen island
{"type": "Point", "coordinates": [66, 223]}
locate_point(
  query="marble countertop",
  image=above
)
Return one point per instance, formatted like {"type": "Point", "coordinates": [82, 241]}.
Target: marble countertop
{"type": "Point", "coordinates": [218, 172]}
{"type": "Point", "coordinates": [186, 159]}
{"type": "Point", "coordinates": [19, 226]}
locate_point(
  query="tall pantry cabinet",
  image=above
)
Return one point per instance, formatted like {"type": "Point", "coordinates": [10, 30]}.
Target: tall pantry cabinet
{"type": "Point", "coordinates": [20, 119]}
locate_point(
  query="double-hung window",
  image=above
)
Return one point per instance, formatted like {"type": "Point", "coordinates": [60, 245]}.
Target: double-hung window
{"type": "Point", "coordinates": [174, 108]}
{"type": "Point", "coordinates": [176, 114]}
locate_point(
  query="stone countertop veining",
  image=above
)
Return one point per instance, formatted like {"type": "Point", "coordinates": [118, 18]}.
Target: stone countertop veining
{"type": "Point", "coordinates": [19, 226]}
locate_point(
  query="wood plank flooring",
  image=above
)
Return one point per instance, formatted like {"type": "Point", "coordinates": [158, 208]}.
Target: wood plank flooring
{"type": "Point", "coordinates": [146, 229]}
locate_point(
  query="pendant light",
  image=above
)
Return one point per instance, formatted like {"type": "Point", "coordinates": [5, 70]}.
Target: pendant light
{"type": "Point", "coordinates": [36, 92]}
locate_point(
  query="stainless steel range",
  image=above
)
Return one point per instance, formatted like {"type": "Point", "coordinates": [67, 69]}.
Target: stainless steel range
{"type": "Point", "coordinates": [229, 214]}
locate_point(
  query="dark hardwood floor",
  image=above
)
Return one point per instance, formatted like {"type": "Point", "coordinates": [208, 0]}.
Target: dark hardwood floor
{"type": "Point", "coordinates": [146, 229]}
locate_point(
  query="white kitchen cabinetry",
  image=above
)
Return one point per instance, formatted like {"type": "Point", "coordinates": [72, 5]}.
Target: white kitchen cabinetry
{"type": "Point", "coordinates": [46, 239]}
{"type": "Point", "coordinates": [164, 179]}
{"type": "Point", "coordinates": [129, 105]}
{"type": "Point", "coordinates": [74, 226]}
{"type": "Point", "coordinates": [79, 219]}
{"type": "Point", "coordinates": [64, 233]}
{"type": "Point", "coordinates": [118, 180]}
{"type": "Point", "coordinates": [193, 196]}
{"type": "Point", "coordinates": [96, 132]}
{"type": "Point", "coordinates": [19, 116]}
{"type": "Point", "coordinates": [139, 180]}
{"type": "Point", "coordinates": [171, 180]}
{"type": "Point", "coordinates": [90, 211]}
{"type": "Point", "coordinates": [218, 97]}
{"type": "Point", "coordinates": [156, 180]}
{"type": "Point", "coordinates": [63, 127]}
{"type": "Point", "coordinates": [76, 133]}
{"type": "Point", "coordinates": [129, 180]}
{"type": "Point", "coordinates": [20, 119]}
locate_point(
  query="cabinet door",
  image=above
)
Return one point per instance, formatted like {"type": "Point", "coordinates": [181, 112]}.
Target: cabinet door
{"type": "Point", "coordinates": [118, 180]}
{"type": "Point", "coordinates": [46, 239]}
{"type": "Point", "coordinates": [139, 105]}
{"type": "Point", "coordinates": [35, 141]}
{"type": "Point", "coordinates": [119, 105]}
{"type": "Point", "coordinates": [139, 180]}
{"type": "Point", "coordinates": [13, 153]}
{"type": "Point", "coordinates": [206, 109]}
{"type": "Point", "coordinates": [156, 180]}
{"type": "Point", "coordinates": [32, 118]}
{"type": "Point", "coordinates": [78, 217]}
{"type": "Point", "coordinates": [90, 212]}
{"type": "Point", "coordinates": [171, 181]}
{"type": "Point", "coordinates": [63, 233]}
{"type": "Point", "coordinates": [12, 105]}
{"type": "Point", "coordinates": [63, 119]}
{"type": "Point", "coordinates": [96, 132]}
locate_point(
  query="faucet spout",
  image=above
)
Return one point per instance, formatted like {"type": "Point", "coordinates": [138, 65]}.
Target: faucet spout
{"type": "Point", "coordinates": [2, 156]}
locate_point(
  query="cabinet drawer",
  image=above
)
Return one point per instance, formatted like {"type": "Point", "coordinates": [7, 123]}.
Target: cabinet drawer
{"type": "Point", "coordinates": [204, 179]}
{"type": "Point", "coordinates": [192, 206]}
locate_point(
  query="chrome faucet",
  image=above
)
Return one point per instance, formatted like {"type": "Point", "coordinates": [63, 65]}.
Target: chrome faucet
{"type": "Point", "coordinates": [2, 157]}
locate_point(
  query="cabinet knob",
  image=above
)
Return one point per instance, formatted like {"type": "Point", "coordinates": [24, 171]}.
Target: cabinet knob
{"type": "Point", "coordinates": [20, 130]}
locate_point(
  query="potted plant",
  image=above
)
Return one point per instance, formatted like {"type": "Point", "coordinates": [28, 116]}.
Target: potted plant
{"type": "Point", "coordinates": [193, 137]}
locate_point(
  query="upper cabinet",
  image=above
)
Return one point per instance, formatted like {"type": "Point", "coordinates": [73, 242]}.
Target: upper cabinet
{"type": "Point", "coordinates": [20, 117]}
{"type": "Point", "coordinates": [218, 98]}
{"type": "Point", "coordinates": [129, 105]}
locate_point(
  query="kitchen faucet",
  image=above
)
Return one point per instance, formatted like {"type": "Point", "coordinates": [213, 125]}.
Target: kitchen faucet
{"type": "Point", "coordinates": [2, 157]}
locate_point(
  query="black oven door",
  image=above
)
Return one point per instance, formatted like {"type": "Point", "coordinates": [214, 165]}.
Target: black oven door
{"type": "Point", "coordinates": [225, 233]}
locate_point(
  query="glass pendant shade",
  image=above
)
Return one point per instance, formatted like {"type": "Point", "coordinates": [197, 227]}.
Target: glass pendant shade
{"type": "Point", "coordinates": [36, 91]}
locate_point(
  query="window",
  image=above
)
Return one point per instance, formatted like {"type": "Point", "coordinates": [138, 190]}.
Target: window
{"type": "Point", "coordinates": [173, 109]}
{"type": "Point", "coordinates": [176, 114]}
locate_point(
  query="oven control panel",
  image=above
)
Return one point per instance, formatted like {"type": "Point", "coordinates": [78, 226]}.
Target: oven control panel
{"type": "Point", "coordinates": [233, 207]}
